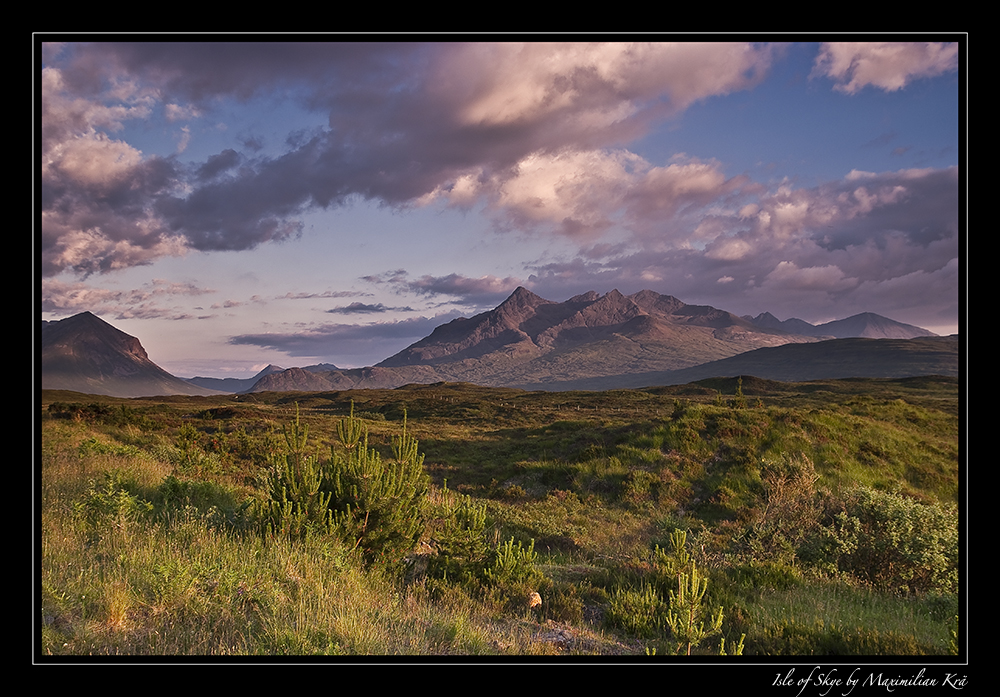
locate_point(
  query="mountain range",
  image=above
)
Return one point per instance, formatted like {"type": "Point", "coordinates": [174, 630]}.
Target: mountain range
{"type": "Point", "coordinates": [590, 341]}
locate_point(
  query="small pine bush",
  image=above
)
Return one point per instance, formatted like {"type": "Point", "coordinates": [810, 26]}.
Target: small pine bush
{"type": "Point", "coordinates": [375, 505]}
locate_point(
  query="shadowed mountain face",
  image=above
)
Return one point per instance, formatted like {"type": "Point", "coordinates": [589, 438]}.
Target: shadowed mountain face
{"type": "Point", "coordinates": [86, 354]}
{"type": "Point", "coordinates": [854, 357]}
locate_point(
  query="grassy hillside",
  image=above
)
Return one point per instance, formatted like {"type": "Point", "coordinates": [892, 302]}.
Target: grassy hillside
{"type": "Point", "coordinates": [822, 515]}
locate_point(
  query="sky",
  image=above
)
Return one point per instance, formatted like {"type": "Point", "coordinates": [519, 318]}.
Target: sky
{"type": "Point", "coordinates": [234, 204]}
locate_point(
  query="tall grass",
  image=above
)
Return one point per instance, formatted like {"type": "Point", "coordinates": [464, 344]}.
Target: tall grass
{"type": "Point", "coordinates": [834, 618]}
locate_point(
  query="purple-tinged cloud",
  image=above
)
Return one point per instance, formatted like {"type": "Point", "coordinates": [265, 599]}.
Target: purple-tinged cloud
{"type": "Point", "coordinates": [471, 290]}
{"type": "Point", "coordinates": [151, 301]}
{"type": "Point", "coordinates": [348, 344]}
{"type": "Point", "coordinates": [325, 294]}
{"type": "Point", "coordinates": [366, 309]}
{"type": "Point", "coordinates": [408, 123]}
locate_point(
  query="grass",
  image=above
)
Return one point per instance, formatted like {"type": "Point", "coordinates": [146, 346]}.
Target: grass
{"type": "Point", "coordinates": [149, 545]}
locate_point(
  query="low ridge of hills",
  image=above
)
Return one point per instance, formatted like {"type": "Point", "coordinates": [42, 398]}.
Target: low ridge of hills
{"type": "Point", "coordinates": [855, 357]}
{"type": "Point", "coordinates": [590, 341]}
{"type": "Point", "coordinates": [233, 385]}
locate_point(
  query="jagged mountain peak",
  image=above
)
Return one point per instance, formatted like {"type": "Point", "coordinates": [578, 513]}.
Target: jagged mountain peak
{"type": "Point", "coordinates": [520, 303]}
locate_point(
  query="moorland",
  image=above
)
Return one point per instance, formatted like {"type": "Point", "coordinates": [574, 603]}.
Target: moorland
{"type": "Point", "coordinates": [728, 515]}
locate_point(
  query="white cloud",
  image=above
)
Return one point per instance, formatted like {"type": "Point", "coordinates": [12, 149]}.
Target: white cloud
{"type": "Point", "coordinates": [728, 249]}
{"type": "Point", "coordinates": [887, 65]}
{"type": "Point", "coordinates": [178, 112]}
{"type": "Point", "coordinates": [591, 85]}
{"type": "Point", "coordinates": [788, 276]}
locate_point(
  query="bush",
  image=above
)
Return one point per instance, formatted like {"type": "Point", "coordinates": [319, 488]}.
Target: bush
{"type": "Point", "coordinates": [296, 505]}
{"type": "Point", "coordinates": [459, 540]}
{"type": "Point", "coordinates": [789, 511]}
{"type": "Point", "coordinates": [377, 505]}
{"type": "Point", "coordinates": [891, 541]}
{"type": "Point", "coordinates": [374, 505]}
{"type": "Point", "coordinates": [513, 565]}
{"type": "Point", "coordinates": [110, 504]}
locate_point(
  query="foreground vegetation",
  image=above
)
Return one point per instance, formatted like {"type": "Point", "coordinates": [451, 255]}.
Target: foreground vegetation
{"type": "Point", "coordinates": [726, 516]}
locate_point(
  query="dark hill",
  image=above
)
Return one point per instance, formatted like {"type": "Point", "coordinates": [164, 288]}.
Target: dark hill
{"type": "Point", "coordinates": [86, 354]}
{"type": "Point", "coordinates": [831, 359]}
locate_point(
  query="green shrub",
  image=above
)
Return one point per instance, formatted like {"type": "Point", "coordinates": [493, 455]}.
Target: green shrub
{"type": "Point", "coordinates": [110, 504]}
{"type": "Point", "coordinates": [686, 615]}
{"type": "Point", "coordinates": [377, 505]}
{"type": "Point", "coordinates": [458, 536]}
{"type": "Point", "coordinates": [513, 565]}
{"type": "Point", "coordinates": [890, 541]}
{"type": "Point", "coordinates": [374, 505]}
{"type": "Point", "coordinates": [640, 488]}
{"type": "Point", "coordinates": [92, 446]}
{"type": "Point", "coordinates": [296, 505]}
{"type": "Point", "coordinates": [214, 500]}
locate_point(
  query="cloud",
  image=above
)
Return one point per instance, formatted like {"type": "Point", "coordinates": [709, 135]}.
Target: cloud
{"type": "Point", "coordinates": [178, 112]}
{"type": "Point", "coordinates": [325, 294]}
{"type": "Point", "coordinates": [98, 192]}
{"type": "Point", "coordinates": [581, 194]}
{"type": "Point", "coordinates": [920, 204]}
{"type": "Point", "coordinates": [890, 66]}
{"type": "Point", "coordinates": [846, 243]}
{"type": "Point", "coordinates": [485, 290]}
{"type": "Point", "coordinates": [216, 164]}
{"type": "Point", "coordinates": [787, 276]}
{"type": "Point", "coordinates": [366, 309]}
{"type": "Point", "coordinates": [146, 302]}
{"type": "Point", "coordinates": [348, 344]}
{"type": "Point", "coordinates": [501, 123]}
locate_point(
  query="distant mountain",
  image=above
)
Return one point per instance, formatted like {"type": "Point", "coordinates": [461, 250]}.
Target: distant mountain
{"type": "Point", "coordinates": [528, 339]}
{"type": "Point", "coordinates": [84, 353]}
{"type": "Point", "coordinates": [234, 385]}
{"type": "Point", "coordinates": [865, 325]}
{"type": "Point", "coordinates": [371, 378]}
